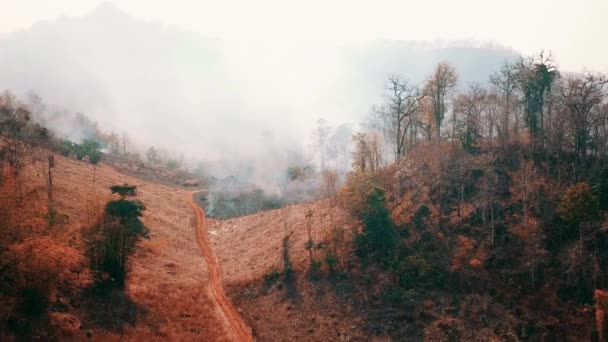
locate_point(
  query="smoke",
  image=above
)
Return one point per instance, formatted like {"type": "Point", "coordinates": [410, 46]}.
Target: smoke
{"type": "Point", "coordinates": [246, 110]}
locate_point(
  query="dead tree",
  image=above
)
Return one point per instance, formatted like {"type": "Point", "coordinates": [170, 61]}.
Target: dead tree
{"type": "Point", "coordinates": [402, 103]}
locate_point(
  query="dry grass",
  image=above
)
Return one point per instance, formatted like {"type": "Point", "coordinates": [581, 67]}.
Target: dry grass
{"type": "Point", "coordinates": [249, 247]}
{"type": "Point", "coordinates": [168, 280]}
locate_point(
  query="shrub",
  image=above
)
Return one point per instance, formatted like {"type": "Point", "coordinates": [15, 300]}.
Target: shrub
{"type": "Point", "coordinates": [331, 260]}
{"type": "Point", "coordinates": [67, 147]}
{"type": "Point", "coordinates": [173, 164]}
{"type": "Point", "coordinates": [88, 147]}
{"type": "Point", "coordinates": [315, 269]}
{"type": "Point", "coordinates": [309, 245]}
{"type": "Point", "coordinates": [578, 204]}
{"type": "Point", "coordinates": [92, 149]}
{"type": "Point", "coordinates": [272, 277]}
{"type": "Point", "coordinates": [379, 234]}
{"type": "Point", "coordinates": [39, 267]}
{"type": "Point", "coordinates": [54, 217]}
{"type": "Point", "coordinates": [353, 197]}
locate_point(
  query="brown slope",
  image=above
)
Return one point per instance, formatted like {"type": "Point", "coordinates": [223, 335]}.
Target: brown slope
{"type": "Point", "coordinates": [164, 284]}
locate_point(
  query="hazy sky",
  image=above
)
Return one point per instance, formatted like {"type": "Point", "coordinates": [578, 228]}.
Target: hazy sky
{"type": "Point", "coordinates": [572, 29]}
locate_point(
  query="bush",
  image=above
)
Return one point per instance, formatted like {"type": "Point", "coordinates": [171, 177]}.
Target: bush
{"type": "Point", "coordinates": [88, 147]}
{"type": "Point", "coordinates": [331, 260]}
{"type": "Point", "coordinates": [67, 147]}
{"type": "Point", "coordinates": [272, 277]}
{"type": "Point", "coordinates": [578, 205]}
{"type": "Point", "coordinates": [379, 235]}
{"type": "Point", "coordinates": [39, 267]}
{"type": "Point", "coordinates": [354, 195]}
{"type": "Point", "coordinates": [315, 270]}
{"type": "Point", "coordinates": [173, 164]}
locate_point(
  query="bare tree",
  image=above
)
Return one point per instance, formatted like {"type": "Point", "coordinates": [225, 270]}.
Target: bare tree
{"type": "Point", "coordinates": [124, 141]}
{"type": "Point", "coordinates": [505, 82]}
{"type": "Point", "coordinates": [525, 186]}
{"type": "Point", "coordinates": [580, 95]}
{"type": "Point", "coordinates": [438, 85]}
{"type": "Point", "coordinates": [470, 107]}
{"type": "Point", "coordinates": [368, 152]}
{"type": "Point", "coordinates": [339, 148]}
{"type": "Point", "coordinates": [320, 138]}
{"type": "Point", "coordinates": [403, 101]}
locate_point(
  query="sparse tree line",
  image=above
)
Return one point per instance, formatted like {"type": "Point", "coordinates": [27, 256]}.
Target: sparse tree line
{"type": "Point", "coordinates": [25, 124]}
{"type": "Point", "coordinates": [560, 113]}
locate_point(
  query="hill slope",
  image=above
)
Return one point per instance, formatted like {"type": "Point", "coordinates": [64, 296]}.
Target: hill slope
{"type": "Point", "coordinates": [168, 296]}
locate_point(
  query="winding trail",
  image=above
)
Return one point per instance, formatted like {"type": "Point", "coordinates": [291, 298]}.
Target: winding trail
{"type": "Point", "coordinates": [240, 331]}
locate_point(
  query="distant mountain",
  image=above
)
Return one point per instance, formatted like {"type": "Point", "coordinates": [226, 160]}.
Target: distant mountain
{"type": "Point", "coordinates": [181, 89]}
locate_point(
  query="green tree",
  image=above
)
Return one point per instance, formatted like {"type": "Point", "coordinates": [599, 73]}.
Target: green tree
{"type": "Point", "coordinates": [111, 242]}
{"type": "Point", "coordinates": [379, 235]}
{"type": "Point", "coordinates": [124, 190]}
{"type": "Point", "coordinates": [536, 77]}
{"type": "Point", "coordinates": [92, 149]}
{"type": "Point", "coordinates": [579, 204]}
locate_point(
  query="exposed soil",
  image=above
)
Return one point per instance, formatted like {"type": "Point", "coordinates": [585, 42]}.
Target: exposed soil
{"type": "Point", "coordinates": [239, 329]}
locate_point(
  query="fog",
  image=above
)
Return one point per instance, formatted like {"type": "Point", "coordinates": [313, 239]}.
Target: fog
{"type": "Point", "coordinates": [244, 109]}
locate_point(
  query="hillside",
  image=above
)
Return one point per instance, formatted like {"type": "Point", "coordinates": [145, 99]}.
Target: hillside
{"type": "Point", "coordinates": [252, 252]}
{"type": "Point", "coordinates": [167, 289]}
{"type": "Point", "coordinates": [459, 276]}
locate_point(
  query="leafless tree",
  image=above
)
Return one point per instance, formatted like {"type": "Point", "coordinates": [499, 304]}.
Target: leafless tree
{"type": "Point", "coordinates": [368, 152]}
{"type": "Point", "coordinates": [339, 148]}
{"type": "Point", "coordinates": [320, 138]}
{"type": "Point", "coordinates": [469, 109]}
{"type": "Point", "coordinates": [438, 85]}
{"type": "Point", "coordinates": [505, 83]}
{"type": "Point", "coordinates": [580, 95]}
{"type": "Point", "coordinates": [403, 101]}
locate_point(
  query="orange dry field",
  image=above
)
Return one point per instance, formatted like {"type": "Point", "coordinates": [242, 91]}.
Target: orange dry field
{"type": "Point", "coordinates": [250, 247]}
{"type": "Point", "coordinates": [168, 283]}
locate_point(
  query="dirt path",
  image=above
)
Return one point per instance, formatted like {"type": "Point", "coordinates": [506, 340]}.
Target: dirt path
{"type": "Point", "coordinates": [241, 332]}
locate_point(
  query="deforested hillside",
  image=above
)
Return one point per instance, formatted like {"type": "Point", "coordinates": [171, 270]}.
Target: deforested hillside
{"type": "Point", "coordinates": [166, 295]}
{"type": "Point", "coordinates": [266, 259]}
